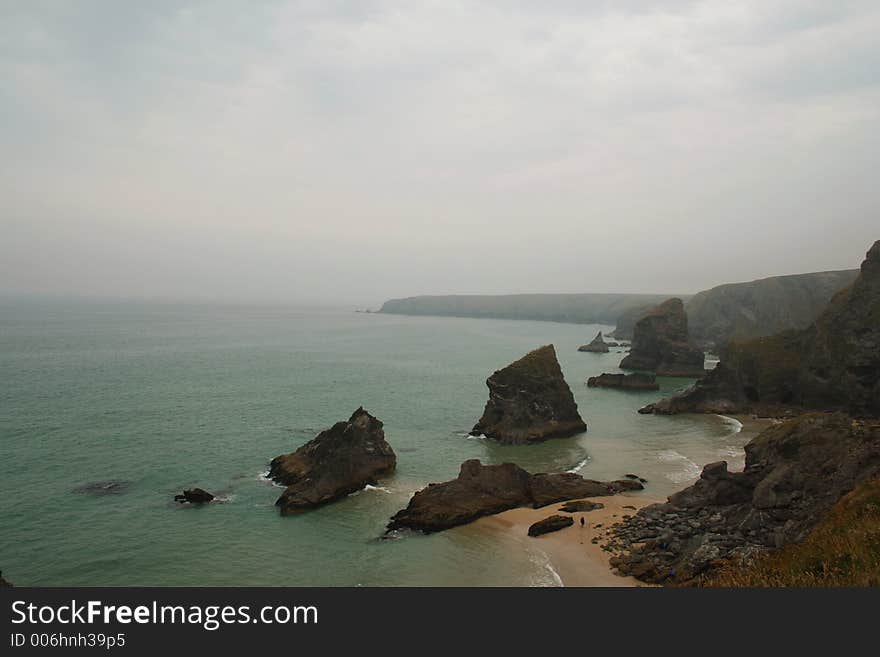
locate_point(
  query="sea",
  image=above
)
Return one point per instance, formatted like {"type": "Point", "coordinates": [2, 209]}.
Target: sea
{"type": "Point", "coordinates": [110, 408]}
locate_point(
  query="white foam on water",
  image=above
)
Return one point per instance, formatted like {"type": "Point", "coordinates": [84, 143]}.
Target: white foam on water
{"type": "Point", "coordinates": [264, 476]}
{"type": "Point", "coordinates": [732, 422]}
{"type": "Point", "coordinates": [689, 470]}
{"type": "Point", "coordinates": [381, 488]}
{"type": "Point", "coordinates": [477, 437]}
{"type": "Point", "coordinates": [547, 575]}
{"type": "Point", "coordinates": [580, 465]}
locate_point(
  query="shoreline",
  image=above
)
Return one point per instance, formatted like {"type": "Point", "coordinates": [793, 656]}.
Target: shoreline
{"type": "Point", "coordinates": [572, 557]}
{"type": "Point", "coordinates": [571, 554]}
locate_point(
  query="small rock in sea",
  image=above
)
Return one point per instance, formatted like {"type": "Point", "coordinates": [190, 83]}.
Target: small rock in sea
{"type": "Point", "coordinates": [99, 488]}
{"type": "Point", "coordinates": [194, 496]}
{"type": "Point", "coordinates": [551, 524]}
{"type": "Point", "coordinates": [3, 582]}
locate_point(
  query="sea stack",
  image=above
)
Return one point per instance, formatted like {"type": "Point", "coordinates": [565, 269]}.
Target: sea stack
{"type": "Point", "coordinates": [337, 462]}
{"type": "Point", "coordinates": [597, 346]}
{"type": "Point", "coordinates": [529, 401]}
{"type": "Point", "coordinates": [194, 496]}
{"type": "Point", "coordinates": [832, 365]}
{"type": "Point", "coordinates": [661, 343]}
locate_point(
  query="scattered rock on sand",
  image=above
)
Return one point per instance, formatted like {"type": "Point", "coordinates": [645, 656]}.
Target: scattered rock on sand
{"type": "Point", "coordinates": [578, 506]}
{"type": "Point", "coordinates": [551, 524]}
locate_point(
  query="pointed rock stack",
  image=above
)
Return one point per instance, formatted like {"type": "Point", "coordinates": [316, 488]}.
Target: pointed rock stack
{"type": "Point", "coordinates": [529, 401]}
{"type": "Point", "coordinates": [597, 346]}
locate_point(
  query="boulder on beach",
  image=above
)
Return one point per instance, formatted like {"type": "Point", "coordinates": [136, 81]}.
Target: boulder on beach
{"type": "Point", "coordinates": [194, 496]}
{"type": "Point", "coordinates": [529, 401]}
{"type": "Point", "coordinates": [635, 381]}
{"type": "Point", "coordinates": [661, 343]}
{"type": "Point", "coordinates": [597, 346]}
{"type": "Point", "coordinates": [580, 506]}
{"type": "Point", "coordinates": [336, 463]}
{"type": "Point", "coordinates": [550, 524]}
{"type": "Point", "coordinates": [482, 490]}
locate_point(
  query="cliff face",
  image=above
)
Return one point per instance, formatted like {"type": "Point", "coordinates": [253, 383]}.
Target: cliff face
{"type": "Point", "coordinates": [661, 343]}
{"type": "Point", "coordinates": [529, 401]}
{"type": "Point", "coordinates": [832, 365]}
{"type": "Point", "coordinates": [335, 463]}
{"type": "Point", "coordinates": [571, 308]}
{"type": "Point", "coordinates": [743, 311]}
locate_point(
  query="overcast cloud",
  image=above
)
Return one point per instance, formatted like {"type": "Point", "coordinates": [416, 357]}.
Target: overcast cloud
{"type": "Point", "coordinates": [364, 150]}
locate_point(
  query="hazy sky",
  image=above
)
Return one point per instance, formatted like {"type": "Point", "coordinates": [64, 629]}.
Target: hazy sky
{"type": "Point", "coordinates": [365, 150]}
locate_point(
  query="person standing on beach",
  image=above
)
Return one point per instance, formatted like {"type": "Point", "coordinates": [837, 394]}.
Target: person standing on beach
{"type": "Point", "coordinates": [582, 522]}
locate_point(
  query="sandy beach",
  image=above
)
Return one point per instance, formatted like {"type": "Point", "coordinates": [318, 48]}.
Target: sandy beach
{"type": "Point", "coordinates": [570, 552]}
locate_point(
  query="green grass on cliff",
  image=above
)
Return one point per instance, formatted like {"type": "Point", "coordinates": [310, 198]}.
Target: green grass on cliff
{"type": "Point", "coordinates": [843, 550]}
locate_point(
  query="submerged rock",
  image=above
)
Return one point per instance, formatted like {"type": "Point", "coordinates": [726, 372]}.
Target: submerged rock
{"type": "Point", "coordinates": [482, 490]}
{"type": "Point", "coordinates": [597, 346]}
{"type": "Point", "coordinates": [661, 343]}
{"type": "Point", "coordinates": [635, 381]}
{"type": "Point", "coordinates": [3, 582]}
{"type": "Point", "coordinates": [337, 462]}
{"type": "Point", "coordinates": [194, 496]}
{"type": "Point", "coordinates": [550, 524]}
{"type": "Point", "coordinates": [832, 365]}
{"type": "Point", "coordinates": [794, 473]}
{"type": "Point", "coordinates": [529, 401]}
{"type": "Point", "coordinates": [99, 488]}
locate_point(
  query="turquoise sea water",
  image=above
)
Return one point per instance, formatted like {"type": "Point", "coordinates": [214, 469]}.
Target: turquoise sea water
{"type": "Point", "coordinates": [164, 397]}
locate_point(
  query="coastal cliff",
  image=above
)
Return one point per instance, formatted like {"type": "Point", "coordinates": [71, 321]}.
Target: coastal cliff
{"type": "Point", "coordinates": [569, 308]}
{"type": "Point", "coordinates": [834, 364]}
{"type": "Point", "coordinates": [529, 401]}
{"type": "Point", "coordinates": [744, 311]}
{"type": "Point", "coordinates": [795, 472]}
{"type": "Point", "coordinates": [661, 343]}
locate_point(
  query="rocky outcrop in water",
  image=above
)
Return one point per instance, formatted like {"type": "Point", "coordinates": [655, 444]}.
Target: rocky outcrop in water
{"type": "Point", "coordinates": [482, 490]}
{"type": "Point", "coordinates": [550, 524]}
{"type": "Point", "coordinates": [101, 488]}
{"type": "Point", "coordinates": [661, 343]}
{"type": "Point", "coordinates": [635, 381]}
{"type": "Point", "coordinates": [794, 473]}
{"type": "Point", "coordinates": [597, 346]}
{"type": "Point", "coordinates": [3, 582]}
{"type": "Point", "coordinates": [529, 401]}
{"type": "Point", "coordinates": [832, 365]}
{"type": "Point", "coordinates": [194, 496]}
{"type": "Point", "coordinates": [337, 462]}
